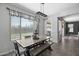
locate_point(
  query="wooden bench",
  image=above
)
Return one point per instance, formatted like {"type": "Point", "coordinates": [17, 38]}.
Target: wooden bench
{"type": "Point", "coordinates": [41, 48]}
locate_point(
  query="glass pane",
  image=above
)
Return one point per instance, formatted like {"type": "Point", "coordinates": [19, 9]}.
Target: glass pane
{"type": "Point", "coordinates": [15, 27]}
{"type": "Point", "coordinates": [27, 27]}
{"type": "Point", "coordinates": [70, 27]}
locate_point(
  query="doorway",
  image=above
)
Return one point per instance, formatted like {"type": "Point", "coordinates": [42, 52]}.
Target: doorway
{"type": "Point", "coordinates": [61, 26]}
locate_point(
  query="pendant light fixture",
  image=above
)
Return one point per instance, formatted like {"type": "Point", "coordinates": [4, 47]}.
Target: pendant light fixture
{"type": "Point", "coordinates": [41, 12]}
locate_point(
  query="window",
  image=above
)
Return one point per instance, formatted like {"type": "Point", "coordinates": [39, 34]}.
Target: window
{"type": "Point", "coordinates": [70, 26]}
{"type": "Point", "coordinates": [27, 27]}
{"type": "Point", "coordinates": [15, 27]}
{"type": "Point", "coordinates": [21, 27]}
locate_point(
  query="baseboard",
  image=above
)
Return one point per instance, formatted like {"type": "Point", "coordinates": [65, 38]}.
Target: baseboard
{"type": "Point", "coordinates": [5, 53]}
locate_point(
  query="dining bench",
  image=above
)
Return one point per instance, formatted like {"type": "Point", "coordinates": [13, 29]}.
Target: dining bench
{"type": "Point", "coordinates": [41, 48]}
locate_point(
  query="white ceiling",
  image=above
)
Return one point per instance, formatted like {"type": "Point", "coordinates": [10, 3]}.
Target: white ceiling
{"type": "Point", "coordinates": [49, 8]}
{"type": "Point", "coordinates": [72, 18]}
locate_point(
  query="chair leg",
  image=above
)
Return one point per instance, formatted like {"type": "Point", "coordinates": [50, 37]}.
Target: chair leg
{"type": "Point", "coordinates": [25, 54]}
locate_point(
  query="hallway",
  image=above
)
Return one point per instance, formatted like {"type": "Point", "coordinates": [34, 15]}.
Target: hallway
{"type": "Point", "coordinates": [68, 47]}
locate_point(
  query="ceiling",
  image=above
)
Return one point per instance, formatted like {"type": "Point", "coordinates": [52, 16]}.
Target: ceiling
{"type": "Point", "coordinates": [49, 8]}
{"type": "Point", "coordinates": [72, 18]}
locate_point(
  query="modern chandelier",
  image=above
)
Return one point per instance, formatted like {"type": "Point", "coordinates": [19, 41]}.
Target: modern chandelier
{"type": "Point", "coordinates": [41, 12]}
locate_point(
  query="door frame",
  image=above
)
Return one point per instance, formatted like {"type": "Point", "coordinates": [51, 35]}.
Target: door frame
{"type": "Point", "coordinates": [59, 19]}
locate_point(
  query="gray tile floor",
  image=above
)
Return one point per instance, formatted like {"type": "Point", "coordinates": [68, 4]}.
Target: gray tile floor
{"type": "Point", "coordinates": [68, 47]}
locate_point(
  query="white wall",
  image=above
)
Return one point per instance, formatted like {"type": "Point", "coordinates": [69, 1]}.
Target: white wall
{"type": "Point", "coordinates": [5, 43]}
{"type": "Point", "coordinates": [53, 20]}
{"type": "Point", "coordinates": [66, 11]}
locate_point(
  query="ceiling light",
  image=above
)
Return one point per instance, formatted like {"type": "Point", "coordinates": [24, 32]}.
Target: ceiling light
{"type": "Point", "coordinates": [41, 12]}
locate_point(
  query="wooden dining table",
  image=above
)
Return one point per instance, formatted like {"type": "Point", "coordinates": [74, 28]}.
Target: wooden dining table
{"type": "Point", "coordinates": [29, 43]}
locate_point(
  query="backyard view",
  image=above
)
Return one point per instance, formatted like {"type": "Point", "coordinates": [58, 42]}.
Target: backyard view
{"type": "Point", "coordinates": [21, 27]}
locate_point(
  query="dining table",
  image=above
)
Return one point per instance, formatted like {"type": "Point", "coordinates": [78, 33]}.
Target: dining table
{"type": "Point", "coordinates": [29, 43]}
